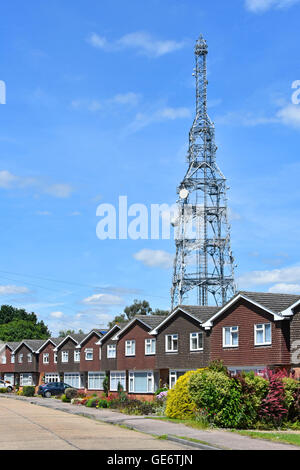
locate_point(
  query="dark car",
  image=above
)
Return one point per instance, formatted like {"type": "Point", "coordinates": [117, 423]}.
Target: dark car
{"type": "Point", "coordinates": [53, 388]}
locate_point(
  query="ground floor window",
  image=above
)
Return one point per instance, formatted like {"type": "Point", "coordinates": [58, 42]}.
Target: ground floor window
{"type": "Point", "coordinates": [174, 376]}
{"type": "Point", "coordinates": [26, 379]}
{"type": "Point", "coordinates": [259, 370]}
{"type": "Point", "coordinates": [9, 378]}
{"type": "Point", "coordinates": [51, 377]}
{"type": "Point", "coordinates": [95, 380]}
{"type": "Point", "coordinates": [141, 382]}
{"type": "Point", "coordinates": [73, 379]}
{"type": "Point", "coordinates": [116, 378]}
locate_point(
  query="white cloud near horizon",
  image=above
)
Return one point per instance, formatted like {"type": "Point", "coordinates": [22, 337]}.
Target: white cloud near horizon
{"type": "Point", "coordinates": [103, 299]}
{"type": "Point", "coordinates": [285, 278]}
{"type": "Point", "coordinates": [56, 314]}
{"type": "Point", "coordinates": [120, 99]}
{"type": "Point", "coordinates": [284, 288]}
{"type": "Point", "coordinates": [12, 289]}
{"type": "Point", "coordinates": [155, 258]}
{"type": "Point", "coordinates": [260, 6]}
{"type": "Point", "coordinates": [10, 181]}
{"type": "Point", "coordinates": [141, 41]}
{"type": "Point", "coordinates": [161, 115]}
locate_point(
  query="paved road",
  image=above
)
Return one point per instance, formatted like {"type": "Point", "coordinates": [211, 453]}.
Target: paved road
{"type": "Point", "coordinates": [24, 426]}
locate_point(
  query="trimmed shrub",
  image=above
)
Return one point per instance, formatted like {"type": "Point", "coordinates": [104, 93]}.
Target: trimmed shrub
{"type": "Point", "coordinates": [292, 398]}
{"type": "Point", "coordinates": [71, 393]}
{"type": "Point", "coordinates": [254, 389]}
{"type": "Point", "coordinates": [219, 395]}
{"type": "Point", "coordinates": [179, 402]}
{"type": "Point", "coordinates": [3, 390]}
{"type": "Point", "coordinates": [28, 391]}
{"type": "Point", "coordinates": [92, 403]}
{"type": "Point", "coordinates": [64, 399]}
{"type": "Point", "coordinates": [273, 408]}
{"type": "Point", "coordinates": [102, 403]}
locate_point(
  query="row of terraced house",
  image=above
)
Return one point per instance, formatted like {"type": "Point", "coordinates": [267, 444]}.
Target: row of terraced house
{"type": "Point", "coordinates": [253, 331]}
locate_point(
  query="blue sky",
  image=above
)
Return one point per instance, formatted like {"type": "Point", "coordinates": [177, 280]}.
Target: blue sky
{"type": "Point", "coordinates": [100, 99]}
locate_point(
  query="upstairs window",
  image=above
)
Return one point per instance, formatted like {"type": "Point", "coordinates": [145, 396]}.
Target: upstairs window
{"type": "Point", "coordinates": [76, 355]}
{"type": "Point", "coordinates": [262, 334]}
{"type": "Point", "coordinates": [150, 346]}
{"type": "Point", "coordinates": [89, 354]}
{"type": "Point", "coordinates": [20, 358]}
{"type": "Point", "coordinates": [171, 343]}
{"type": "Point", "coordinates": [130, 347]}
{"type": "Point", "coordinates": [55, 358]}
{"type": "Point", "coordinates": [230, 337]}
{"type": "Point", "coordinates": [12, 358]}
{"type": "Point", "coordinates": [46, 358]}
{"type": "Point", "coordinates": [29, 357]}
{"type": "Point", "coordinates": [65, 356]}
{"type": "Point", "coordinates": [111, 351]}
{"type": "Point", "coordinates": [196, 341]}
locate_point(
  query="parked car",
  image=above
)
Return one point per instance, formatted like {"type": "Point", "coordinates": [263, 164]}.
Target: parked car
{"type": "Point", "coordinates": [7, 385]}
{"type": "Point", "coordinates": [53, 388]}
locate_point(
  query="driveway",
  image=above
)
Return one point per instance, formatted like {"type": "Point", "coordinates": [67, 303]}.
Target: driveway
{"type": "Point", "coordinates": [24, 426]}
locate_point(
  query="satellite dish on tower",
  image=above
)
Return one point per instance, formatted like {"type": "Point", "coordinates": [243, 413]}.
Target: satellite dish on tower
{"type": "Point", "coordinates": [183, 193]}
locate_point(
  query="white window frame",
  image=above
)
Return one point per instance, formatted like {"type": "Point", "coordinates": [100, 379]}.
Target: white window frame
{"type": "Point", "coordinates": [149, 381]}
{"type": "Point", "coordinates": [196, 335]}
{"type": "Point", "coordinates": [263, 329]}
{"type": "Point", "coordinates": [12, 359]}
{"type": "Point", "coordinates": [120, 377]}
{"type": "Point", "coordinates": [55, 357]}
{"type": "Point", "coordinates": [20, 358]}
{"type": "Point", "coordinates": [174, 337]}
{"type": "Point", "coordinates": [130, 347]}
{"type": "Point", "coordinates": [150, 343]}
{"type": "Point", "coordinates": [51, 377]}
{"type": "Point", "coordinates": [28, 381]}
{"type": "Point", "coordinates": [71, 377]}
{"type": "Point", "coordinates": [3, 358]}
{"type": "Point", "coordinates": [88, 351]}
{"type": "Point", "coordinates": [232, 331]}
{"type": "Point", "coordinates": [111, 351]}
{"type": "Point", "coordinates": [91, 378]}
{"type": "Point", "coordinates": [77, 355]}
{"type": "Point", "coordinates": [45, 358]}
{"type": "Point", "coordinates": [29, 357]}
{"type": "Point", "coordinates": [65, 356]}
{"type": "Point", "coordinates": [173, 376]}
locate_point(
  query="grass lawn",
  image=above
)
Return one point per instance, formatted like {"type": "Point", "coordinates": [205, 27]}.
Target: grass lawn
{"type": "Point", "coordinates": [191, 423]}
{"type": "Point", "coordinates": [288, 438]}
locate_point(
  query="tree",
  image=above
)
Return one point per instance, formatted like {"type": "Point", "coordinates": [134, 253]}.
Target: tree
{"type": "Point", "coordinates": [139, 307]}
{"type": "Point", "coordinates": [17, 324]}
{"type": "Point", "coordinates": [64, 333]}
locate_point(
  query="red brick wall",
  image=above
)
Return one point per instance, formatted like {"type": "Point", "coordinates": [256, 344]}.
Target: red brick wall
{"type": "Point", "coordinates": [245, 316]}
{"type": "Point", "coordinates": [8, 367]}
{"type": "Point", "coordinates": [93, 365]}
{"type": "Point", "coordinates": [140, 361]}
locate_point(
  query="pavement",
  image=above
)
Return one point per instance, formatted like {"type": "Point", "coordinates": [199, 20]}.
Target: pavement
{"type": "Point", "coordinates": [215, 439]}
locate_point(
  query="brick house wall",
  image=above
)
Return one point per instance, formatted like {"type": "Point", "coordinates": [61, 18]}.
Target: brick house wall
{"type": "Point", "coordinates": [182, 325]}
{"type": "Point", "coordinates": [140, 361]}
{"type": "Point", "coordinates": [295, 342]}
{"type": "Point", "coordinates": [26, 366]}
{"type": "Point", "coordinates": [94, 365]}
{"type": "Point", "coordinates": [9, 367]}
{"type": "Point", "coordinates": [245, 315]}
{"type": "Point", "coordinates": [70, 366]}
{"type": "Point", "coordinates": [108, 364]}
{"type": "Point", "coordinates": [52, 366]}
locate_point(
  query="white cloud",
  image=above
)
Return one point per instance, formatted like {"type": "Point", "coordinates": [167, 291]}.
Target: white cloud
{"type": "Point", "coordinates": [103, 299]}
{"type": "Point", "coordinates": [56, 314]}
{"type": "Point", "coordinates": [290, 115]}
{"type": "Point", "coordinates": [141, 41]}
{"type": "Point", "coordinates": [11, 289]}
{"type": "Point", "coordinates": [120, 99]}
{"type": "Point", "coordinates": [164, 114]}
{"type": "Point", "coordinates": [259, 6]}
{"type": "Point", "coordinates": [284, 288]}
{"type": "Point", "coordinates": [59, 190]}
{"type": "Point", "coordinates": [281, 275]}
{"type": "Point", "coordinates": [155, 258]}
{"type": "Point", "coordinates": [11, 181]}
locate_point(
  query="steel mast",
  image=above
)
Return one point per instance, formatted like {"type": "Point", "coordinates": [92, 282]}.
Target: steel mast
{"type": "Point", "coordinates": [203, 262]}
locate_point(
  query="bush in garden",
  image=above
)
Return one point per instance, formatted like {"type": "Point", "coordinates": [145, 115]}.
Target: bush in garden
{"type": "Point", "coordinates": [71, 393]}
{"type": "Point", "coordinates": [64, 399]}
{"type": "Point", "coordinates": [273, 408]}
{"type": "Point", "coordinates": [179, 402]}
{"type": "Point", "coordinates": [161, 389]}
{"type": "Point", "coordinates": [92, 403]}
{"type": "Point", "coordinates": [106, 385]}
{"type": "Point", "coordinates": [28, 391]}
{"type": "Point", "coordinates": [3, 390]}
{"type": "Point", "coordinates": [218, 366]}
{"type": "Point", "coordinates": [102, 403]}
{"type": "Point", "coordinates": [254, 389]}
{"type": "Point", "coordinates": [292, 398]}
{"type": "Point", "coordinates": [219, 395]}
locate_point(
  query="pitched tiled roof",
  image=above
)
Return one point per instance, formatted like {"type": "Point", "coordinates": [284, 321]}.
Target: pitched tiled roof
{"type": "Point", "coordinates": [202, 313]}
{"type": "Point", "coordinates": [274, 302]}
{"type": "Point", "coordinates": [151, 320]}
{"type": "Point", "coordinates": [34, 344]}
{"type": "Point", "coordinates": [13, 344]}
